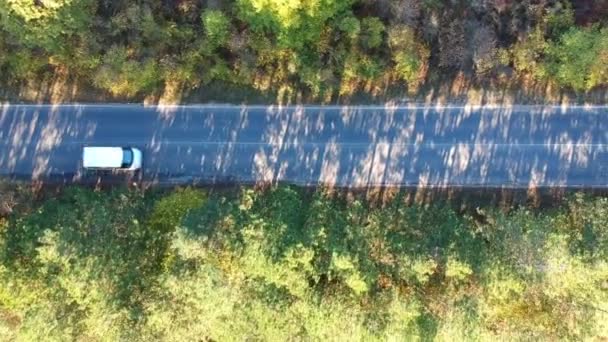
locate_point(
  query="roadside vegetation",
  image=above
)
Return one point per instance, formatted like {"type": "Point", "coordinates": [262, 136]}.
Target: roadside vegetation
{"type": "Point", "coordinates": [319, 50]}
{"type": "Point", "coordinates": [292, 264]}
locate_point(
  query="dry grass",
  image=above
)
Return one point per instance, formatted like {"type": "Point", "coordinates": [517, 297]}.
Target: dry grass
{"type": "Point", "coordinates": [457, 88]}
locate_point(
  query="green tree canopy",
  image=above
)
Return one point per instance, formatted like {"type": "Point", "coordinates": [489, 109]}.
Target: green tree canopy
{"type": "Point", "coordinates": [580, 58]}
{"type": "Point", "coordinates": [287, 263]}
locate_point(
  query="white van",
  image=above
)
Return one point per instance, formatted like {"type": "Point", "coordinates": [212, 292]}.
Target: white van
{"type": "Point", "coordinates": [123, 158]}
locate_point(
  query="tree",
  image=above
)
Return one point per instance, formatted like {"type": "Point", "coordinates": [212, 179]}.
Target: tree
{"type": "Point", "coordinates": [452, 52]}
{"type": "Point", "coordinates": [372, 30]}
{"type": "Point", "coordinates": [55, 27]}
{"type": "Point", "coordinates": [528, 54]}
{"type": "Point", "coordinates": [217, 27]}
{"type": "Point", "coordinates": [484, 49]}
{"type": "Point", "coordinates": [409, 55]}
{"type": "Point", "coordinates": [580, 58]}
{"type": "Point", "coordinates": [55, 36]}
{"type": "Point", "coordinates": [122, 75]}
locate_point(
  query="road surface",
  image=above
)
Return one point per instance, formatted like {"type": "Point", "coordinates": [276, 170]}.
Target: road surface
{"type": "Point", "coordinates": [517, 147]}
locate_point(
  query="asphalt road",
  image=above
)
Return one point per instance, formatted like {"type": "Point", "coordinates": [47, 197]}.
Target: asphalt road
{"type": "Point", "coordinates": [514, 147]}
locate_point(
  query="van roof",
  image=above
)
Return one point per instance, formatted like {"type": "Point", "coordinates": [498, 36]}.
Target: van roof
{"type": "Point", "coordinates": [102, 157]}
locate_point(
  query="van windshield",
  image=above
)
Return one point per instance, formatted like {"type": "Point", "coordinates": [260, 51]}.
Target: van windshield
{"type": "Point", "coordinates": [127, 158]}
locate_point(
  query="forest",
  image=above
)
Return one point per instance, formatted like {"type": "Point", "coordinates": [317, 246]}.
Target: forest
{"type": "Point", "coordinates": [286, 263]}
{"type": "Point", "coordinates": [282, 262]}
{"type": "Point", "coordinates": [290, 50]}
